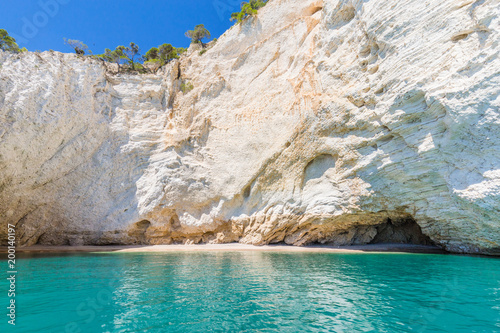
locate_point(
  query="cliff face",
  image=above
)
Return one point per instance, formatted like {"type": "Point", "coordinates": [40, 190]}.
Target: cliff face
{"type": "Point", "coordinates": [341, 122]}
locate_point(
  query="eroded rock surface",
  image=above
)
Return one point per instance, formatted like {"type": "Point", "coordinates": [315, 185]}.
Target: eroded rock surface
{"type": "Point", "coordinates": [339, 122]}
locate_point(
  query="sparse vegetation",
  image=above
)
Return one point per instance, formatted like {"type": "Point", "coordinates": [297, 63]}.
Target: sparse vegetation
{"type": "Point", "coordinates": [198, 34]}
{"type": "Point", "coordinates": [114, 56]}
{"type": "Point", "coordinates": [152, 54]}
{"type": "Point", "coordinates": [129, 53]}
{"type": "Point", "coordinates": [159, 56]}
{"type": "Point", "coordinates": [154, 58]}
{"type": "Point", "coordinates": [79, 47]}
{"type": "Point", "coordinates": [8, 43]}
{"type": "Point", "coordinates": [248, 9]}
{"type": "Point", "coordinates": [129, 57]}
{"type": "Point", "coordinates": [186, 87]}
{"type": "Point", "coordinates": [163, 54]}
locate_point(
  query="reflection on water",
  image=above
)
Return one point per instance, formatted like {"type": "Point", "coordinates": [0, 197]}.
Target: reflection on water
{"type": "Point", "coordinates": [258, 291]}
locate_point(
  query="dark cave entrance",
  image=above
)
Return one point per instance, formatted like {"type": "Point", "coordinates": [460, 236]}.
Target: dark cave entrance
{"type": "Point", "coordinates": [402, 230]}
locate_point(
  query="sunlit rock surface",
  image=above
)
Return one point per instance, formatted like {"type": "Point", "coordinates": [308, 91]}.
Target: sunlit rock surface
{"type": "Point", "coordinates": [338, 122]}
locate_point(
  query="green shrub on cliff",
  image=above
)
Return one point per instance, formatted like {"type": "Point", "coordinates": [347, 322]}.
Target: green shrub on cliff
{"type": "Point", "coordinates": [129, 53]}
{"type": "Point", "coordinates": [186, 87]}
{"type": "Point", "coordinates": [114, 56]}
{"type": "Point", "coordinates": [198, 34]}
{"type": "Point", "coordinates": [153, 59]}
{"type": "Point", "coordinates": [248, 9]}
{"type": "Point", "coordinates": [79, 47]}
{"type": "Point", "coordinates": [8, 43]}
{"type": "Point", "coordinates": [163, 53]}
{"type": "Point", "coordinates": [152, 54]}
{"type": "Point", "coordinates": [159, 56]}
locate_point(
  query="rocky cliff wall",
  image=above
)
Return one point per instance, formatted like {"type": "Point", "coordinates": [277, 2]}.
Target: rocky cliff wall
{"type": "Point", "coordinates": [339, 122]}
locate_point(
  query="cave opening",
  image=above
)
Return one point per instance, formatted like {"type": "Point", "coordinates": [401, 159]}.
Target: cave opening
{"type": "Point", "coordinates": [402, 230]}
{"type": "Point", "coordinates": [366, 229]}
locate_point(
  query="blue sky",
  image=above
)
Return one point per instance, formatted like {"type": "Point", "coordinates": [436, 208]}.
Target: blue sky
{"type": "Point", "coordinates": [42, 24]}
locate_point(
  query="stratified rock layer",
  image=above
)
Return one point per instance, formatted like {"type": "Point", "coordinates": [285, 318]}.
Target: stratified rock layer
{"type": "Point", "coordinates": [341, 122]}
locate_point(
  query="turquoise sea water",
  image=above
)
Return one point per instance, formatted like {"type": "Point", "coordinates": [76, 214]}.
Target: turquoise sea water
{"type": "Point", "coordinates": [256, 292]}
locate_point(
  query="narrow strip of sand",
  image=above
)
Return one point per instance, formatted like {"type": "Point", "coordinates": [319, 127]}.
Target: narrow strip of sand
{"type": "Point", "coordinates": [235, 247]}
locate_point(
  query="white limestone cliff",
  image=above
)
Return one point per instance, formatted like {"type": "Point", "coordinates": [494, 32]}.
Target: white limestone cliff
{"type": "Point", "coordinates": [340, 122]}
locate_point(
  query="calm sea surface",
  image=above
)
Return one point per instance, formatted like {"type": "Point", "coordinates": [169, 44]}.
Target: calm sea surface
{"type": "Point", "coordinates": [255, 292]}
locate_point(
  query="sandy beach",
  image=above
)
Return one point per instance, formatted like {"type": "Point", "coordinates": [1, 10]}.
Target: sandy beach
{"type": "Point", "coordinates": [234, 247]}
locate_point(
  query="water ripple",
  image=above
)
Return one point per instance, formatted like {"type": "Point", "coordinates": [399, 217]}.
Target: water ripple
{"type": "Point", "coordinates": [258, 292]}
